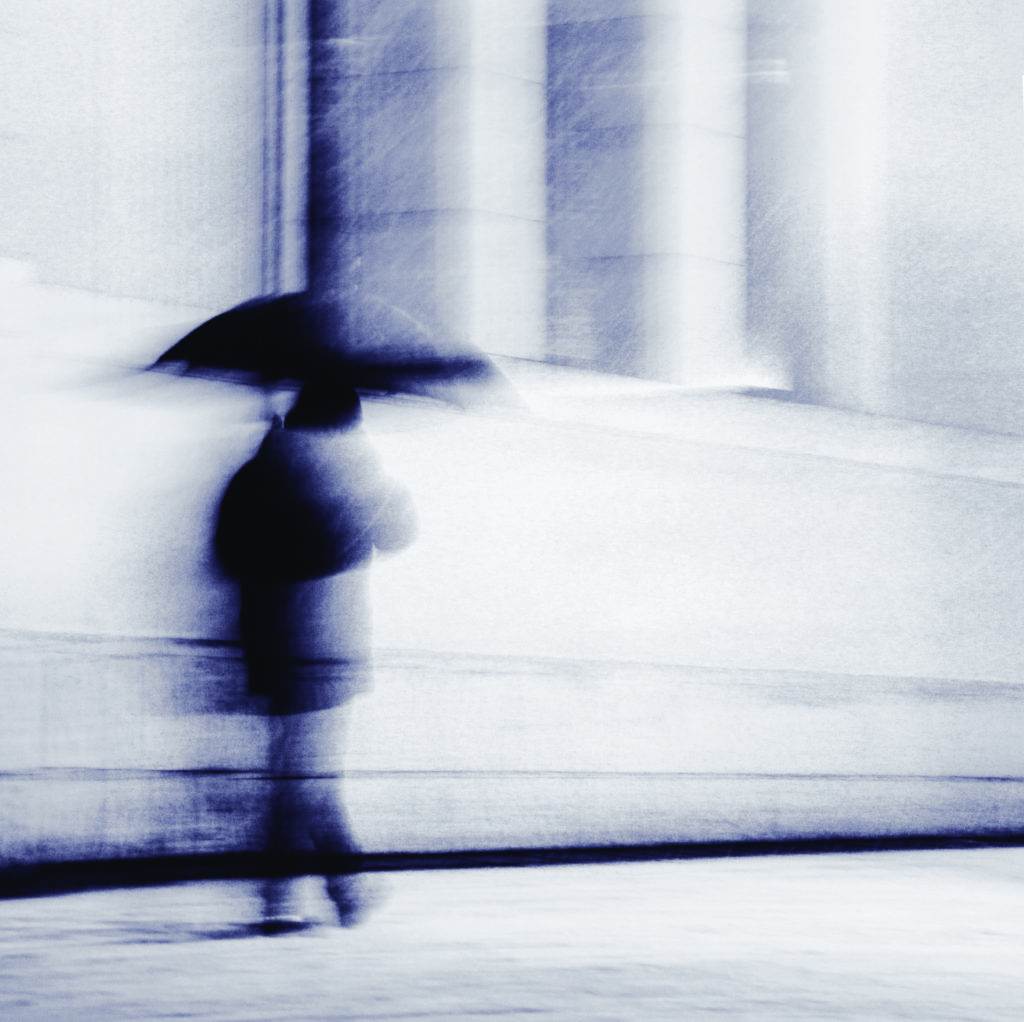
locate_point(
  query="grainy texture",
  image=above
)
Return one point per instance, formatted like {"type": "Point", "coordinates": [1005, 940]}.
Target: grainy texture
{"type": "Point", "coordinates": [919, 935]}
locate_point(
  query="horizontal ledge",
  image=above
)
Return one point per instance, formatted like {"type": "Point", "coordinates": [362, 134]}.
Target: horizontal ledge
{"type": "Point", "coordinates": [388, 658]}
{"type": "Point", "coordinates": [338, 73]}
{"type": "Point", "coordinates": [637, 257]}
{"type": "Point", "coordinates": [65, 774]}
{"type": "Point", "coordinates": [383, 219]}
{"type": "Point", "coordinates": [557, 134]}
{"type": "Point", "coordinates": [67, 876]}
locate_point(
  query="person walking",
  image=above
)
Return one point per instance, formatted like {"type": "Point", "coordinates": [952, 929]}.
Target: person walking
{"type": "Point", "coordinates": [296, 530]}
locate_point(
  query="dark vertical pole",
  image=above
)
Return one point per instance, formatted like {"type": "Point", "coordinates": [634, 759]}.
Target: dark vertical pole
{"type": "Point", "coordinates": [325, 224]}
{"type": "Point", "coordinates": [273, 143]}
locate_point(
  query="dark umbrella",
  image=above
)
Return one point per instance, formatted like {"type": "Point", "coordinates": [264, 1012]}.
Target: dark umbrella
{"type": "Point", "coordinates": [362, 343]}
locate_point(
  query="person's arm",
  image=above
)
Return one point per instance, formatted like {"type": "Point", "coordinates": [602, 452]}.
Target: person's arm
{"type": "Point", "coordinates": [394, 526]}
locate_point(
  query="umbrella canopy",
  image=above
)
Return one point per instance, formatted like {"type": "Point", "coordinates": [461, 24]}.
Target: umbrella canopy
{"type": "Point", "coordinates": [363, 343]}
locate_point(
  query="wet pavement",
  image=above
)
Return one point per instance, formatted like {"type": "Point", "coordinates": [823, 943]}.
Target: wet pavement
{"type": "Point", "coordinates": [897, 935]}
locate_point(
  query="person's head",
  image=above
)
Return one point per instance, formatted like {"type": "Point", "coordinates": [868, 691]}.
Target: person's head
{"type": "Point", "coordinates": [321, 406]}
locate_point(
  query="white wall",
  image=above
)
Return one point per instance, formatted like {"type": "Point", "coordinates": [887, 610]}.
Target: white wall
{"type": "Point", "coordinates": [800, 542]}
{"type": "Point", "coordinates": [631, 615]}
{"type": "Point", "coordinates": [133, 146]}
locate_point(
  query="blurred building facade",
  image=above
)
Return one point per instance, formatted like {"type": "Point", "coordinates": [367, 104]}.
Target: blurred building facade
{"type": "Point", "coordinates": [816, 199]}
{"type": "Point", "coordinates": [803, 218]}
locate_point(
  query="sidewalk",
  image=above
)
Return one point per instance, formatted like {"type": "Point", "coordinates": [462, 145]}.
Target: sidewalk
{"type": "Point", "coordinates": [915, 935]}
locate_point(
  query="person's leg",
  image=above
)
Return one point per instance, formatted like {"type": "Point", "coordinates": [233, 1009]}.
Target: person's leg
{"type": "Point", "coordinates": [286, 823]}
{"type": "Point", "coordinates": [306, 814]}
{"type": "Point", "coordinates": [328, 824]}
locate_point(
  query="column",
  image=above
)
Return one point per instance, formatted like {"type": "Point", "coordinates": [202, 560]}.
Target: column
{"type": "Point", "coordinates": [646, 128]}
{"type": "Point", "coordinates": [786, 311]}
{"type": "Point", "coordinates": [427, 162]}
{"type": "Point", "coordinates": [857, 356]}
{"type": "Point", "coordinates": [817, 253]}
{"type": "Point", "coordinates": [694, 186]}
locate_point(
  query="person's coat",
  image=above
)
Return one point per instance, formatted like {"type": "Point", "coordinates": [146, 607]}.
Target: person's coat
{"type": "Point", "coordinates": [297, 528]}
